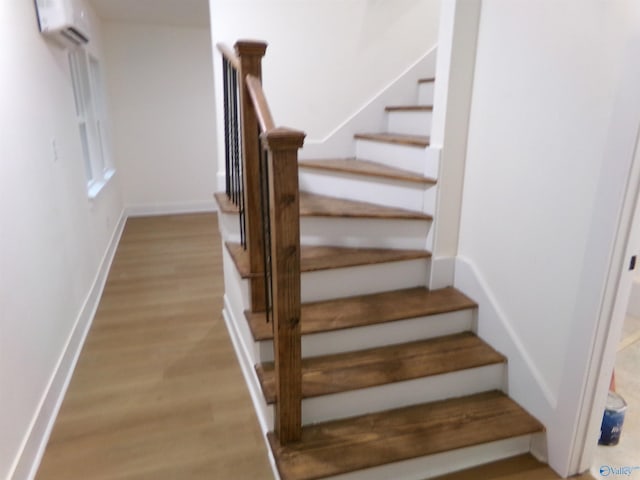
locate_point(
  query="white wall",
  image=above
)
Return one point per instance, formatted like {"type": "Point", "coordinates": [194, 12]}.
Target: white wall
{"type": "Point", "coordinates": [160, 84]}
{"type": "Point", "coordinates": [326, 58]}
{"type": "Point", "coordinates": [544, 88]}
{"type": "Point", "coordinates": [54, 242]}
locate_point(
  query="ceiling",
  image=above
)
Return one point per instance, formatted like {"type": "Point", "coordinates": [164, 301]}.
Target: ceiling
{"type": "Point", "coordinates": [188, 13]}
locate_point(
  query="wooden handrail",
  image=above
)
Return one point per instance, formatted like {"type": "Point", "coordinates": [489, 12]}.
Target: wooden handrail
{"type": "Point", "coordinates": [229, 54]}
{"type": "Point", "coordinates": [260, 103]}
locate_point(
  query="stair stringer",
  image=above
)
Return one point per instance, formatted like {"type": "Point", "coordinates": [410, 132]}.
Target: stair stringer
{"type": "Point", "coordinates": [371, 116]}
{"type": "Point", "coordinates": [524, 383]}
{"type": "Point", "coordinates": [248, 352]}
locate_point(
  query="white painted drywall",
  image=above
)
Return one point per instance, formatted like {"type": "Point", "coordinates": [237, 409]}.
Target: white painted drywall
{"type": "Point", "coordinates": [326, 58]}
{"type": "Point", "coordinates": [52, 238]}
{"type": "Point", "coordinates": [544, 89]}
{"type": "Point", "coordinates": [160, 84]}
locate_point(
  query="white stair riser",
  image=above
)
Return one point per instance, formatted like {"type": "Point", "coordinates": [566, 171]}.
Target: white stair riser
{"type": "Point", "coordinates": [381, 191]}
{"type": "Point", "coordinates": [413, 159]}
{"type": "Point", "coordinates": [363, 279]}
{"type": "Point", "coordinates": [401, 394]}
{"type": "Point", "coordinates": [364, 232]}
{"type": "Point", "coordinates": [409, 122]}
{"type": "Point", "coordinates": [229, 226]}
{"type": "Point", "coordinates": [371, 336]}
{"type": "Point", "coordinates": [335, 282]}
{"type": "Point", "coordinates": [442, 463]}
{"type": "Point", "coordinates": [429, 201]}
{"type": "Point", "coordinates": [425, 93]}
{"type": "Point", "coordinates": [349, 232]}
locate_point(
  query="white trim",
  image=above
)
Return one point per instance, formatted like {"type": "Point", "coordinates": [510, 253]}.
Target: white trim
{"type": "Point", "coordinates": [33, 447]}
{"type": "Point", "coordinates": [248, 370]}
{"type": "Point", "coordinates": [250, 379]}
{"type": "Point", "coordinates": [442, 272]}
{"type": "Point", "coordinates": [171, 208]}
{"type": "Point", "coordinates": [371, 116]}
{"type": "Point", "coordinates": [96, 186]}
{"type": "Point", "coordinates": [537, 396]}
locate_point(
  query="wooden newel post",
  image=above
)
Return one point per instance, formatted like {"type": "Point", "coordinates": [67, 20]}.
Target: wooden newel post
{"type": "Point", "coordinates": [250, 54]}
{"type": "Point", "coordinates": [283, 145]}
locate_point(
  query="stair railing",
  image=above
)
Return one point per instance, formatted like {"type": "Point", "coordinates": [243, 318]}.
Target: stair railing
{"type": "Point", "coordinates": [270, 221]}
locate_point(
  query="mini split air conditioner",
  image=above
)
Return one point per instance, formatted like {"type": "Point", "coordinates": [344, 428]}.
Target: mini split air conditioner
{"type": "Point", "coordinates": [65, 21]}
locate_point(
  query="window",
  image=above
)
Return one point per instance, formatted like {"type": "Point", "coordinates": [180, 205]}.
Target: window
{"type": "Point", "coordinates": [91, 116]}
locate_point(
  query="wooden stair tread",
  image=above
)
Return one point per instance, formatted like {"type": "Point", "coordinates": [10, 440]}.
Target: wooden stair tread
{"type": "Point", "coordinates": [396, 138]}
{"type": "Point", "coordinates": [342, 446]}
{"type": "Point", "coordinates": [342, 372]}
{"type": "Point", "coordinates": [319, 257]}
{"type": "Point", "coordinates": [520, 467]}
{"type": "Point", "coordinates": [409, 108]}
{"type": "Point", "coordinates": [427, 80]}
{"type": "Point", "coordinates": [225, 205]}
{"type": "Point", "coordinates": [313, 205]}
{"type": "Point", "coordinates": [363, 310]}
{"type": "Point", "coordinates": [365, 167]}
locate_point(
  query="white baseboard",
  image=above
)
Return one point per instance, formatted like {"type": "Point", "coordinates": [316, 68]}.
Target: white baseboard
{"type": "Point", "coordinates": [442, 272]}
{"type": "Point", "coordinates": [526, 384]}
{"type": "Point", "coordinates": [33, 448]}
{"type": "Point", "coordinates": [250, 379]}
{"type": "Point", "coordinates": [171, 208]}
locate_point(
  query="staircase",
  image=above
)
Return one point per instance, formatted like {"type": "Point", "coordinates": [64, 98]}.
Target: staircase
{"type": "Point", "coordinates": [394, 382]}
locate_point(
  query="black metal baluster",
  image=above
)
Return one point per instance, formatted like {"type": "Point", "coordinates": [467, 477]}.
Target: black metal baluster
{"type": "Point", "coordinates": [266, 231]}
{"type": "Point", "coordinates": [240, 170]}
{"type": "Point", "coordinates": [227, 126]}
{"type": "Point", "coordinates": [235, 153]}
{"type": "Point", "coordinates": [234, 183]}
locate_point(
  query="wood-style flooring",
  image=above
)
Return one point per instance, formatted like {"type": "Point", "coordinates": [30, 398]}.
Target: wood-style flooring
{"type": "Point", "coordinates": [157, 393]}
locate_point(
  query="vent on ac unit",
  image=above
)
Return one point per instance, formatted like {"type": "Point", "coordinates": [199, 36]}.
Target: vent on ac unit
{"type": "Point", "coordinates": [64, 20]}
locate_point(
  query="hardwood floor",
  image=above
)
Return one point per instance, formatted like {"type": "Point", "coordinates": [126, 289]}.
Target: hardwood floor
{"type": "Point", "coordinates": [158, 393]}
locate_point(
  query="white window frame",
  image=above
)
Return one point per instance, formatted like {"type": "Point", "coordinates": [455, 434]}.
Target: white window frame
{"type": "Point", "coordinates": [91, 114]}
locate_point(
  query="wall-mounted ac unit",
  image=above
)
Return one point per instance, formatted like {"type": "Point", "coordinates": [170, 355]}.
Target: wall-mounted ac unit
{"type": "Point", "coordinates": [65, 21]}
